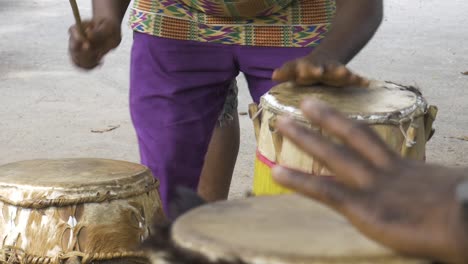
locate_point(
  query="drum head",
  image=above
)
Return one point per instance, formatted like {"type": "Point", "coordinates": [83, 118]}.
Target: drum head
{"type": "Point", "coordinates": [70, 178]}
{"type": "Point", "coordinates": [276, 229]}
{"type": "Point", "coordinates": [382, 100]}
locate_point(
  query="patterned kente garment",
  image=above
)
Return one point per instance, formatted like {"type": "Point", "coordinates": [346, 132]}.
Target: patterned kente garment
{"type": "Point", "coordinates": [270, 23]}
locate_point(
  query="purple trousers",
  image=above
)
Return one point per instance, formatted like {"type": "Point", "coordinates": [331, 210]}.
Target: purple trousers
{"type": "Point", "coordinates": [177, 92]}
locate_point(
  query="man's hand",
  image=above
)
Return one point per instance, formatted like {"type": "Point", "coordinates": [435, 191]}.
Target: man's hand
{"type": "Point", "coordinates": [406, 205]}
{"type": "Point", "coordinates": [309, 71]}
{"type": "Point", "coordinates": [102, 36]}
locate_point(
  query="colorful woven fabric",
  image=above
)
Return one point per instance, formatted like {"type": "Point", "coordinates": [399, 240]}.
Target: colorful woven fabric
{"type": "Point", "coordinates": [302, 23]}
{"type": "Point", "coordinates": [238, 8]}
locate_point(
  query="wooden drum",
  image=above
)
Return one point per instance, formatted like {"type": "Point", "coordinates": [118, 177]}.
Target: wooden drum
{"type": "Point", "coordinates": [75, 211]}
{"type": "Point", "coordinates": [400, 115]}
{"type": "Point", "coordinates": [282, 229]}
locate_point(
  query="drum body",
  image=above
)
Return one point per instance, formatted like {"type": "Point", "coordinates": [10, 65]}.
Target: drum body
{"type": "Point", "coordinates": [399, 115]}
{"type": "Point", "coordinates": [281, 229]}
{"type": "Point", "coordinates": [86, 210]}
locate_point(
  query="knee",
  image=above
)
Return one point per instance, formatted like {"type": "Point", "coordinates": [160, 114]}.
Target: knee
{"type": "Point", "coordinates": [228, 116]}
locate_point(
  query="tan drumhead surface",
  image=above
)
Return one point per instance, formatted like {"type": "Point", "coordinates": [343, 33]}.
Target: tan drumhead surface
{"type": "Point", "coordinates": [42, 183]}
{"type": "Point", "coordinates": [277, 229]}
{"type": "Point", "coordinates": [69, 172]}
{"type": "Point", "coordinates": [380, 98]}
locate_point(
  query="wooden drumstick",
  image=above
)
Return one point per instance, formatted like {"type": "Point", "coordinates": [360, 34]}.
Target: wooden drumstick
{"type": "Point", "coordinates": [76, 14]}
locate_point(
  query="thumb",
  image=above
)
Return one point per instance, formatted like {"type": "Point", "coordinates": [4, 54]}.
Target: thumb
{"type": "Point", "coordinates": [77, 42]}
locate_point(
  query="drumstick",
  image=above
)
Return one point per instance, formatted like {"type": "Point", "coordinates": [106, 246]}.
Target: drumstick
{"type": "Point", "coordinates": [76, 14]}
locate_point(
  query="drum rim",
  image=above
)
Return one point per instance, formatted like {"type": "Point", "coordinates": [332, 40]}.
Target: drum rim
{"type": "Point", "coordinates": [135, 184]}
{"type": "Point", "coordinates": [268, 102]}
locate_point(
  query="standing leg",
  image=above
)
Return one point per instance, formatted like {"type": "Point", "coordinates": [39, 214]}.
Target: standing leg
{"type": "Point", "coordinates": [177, 91]}
{"type": "Point", "coordinates": [222, 152]}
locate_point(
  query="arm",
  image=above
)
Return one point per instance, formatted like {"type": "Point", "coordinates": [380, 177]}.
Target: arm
{"type": "Point", "coordinates": [354, 25]}
{"type": "Point", "coordinates": [110, 9]}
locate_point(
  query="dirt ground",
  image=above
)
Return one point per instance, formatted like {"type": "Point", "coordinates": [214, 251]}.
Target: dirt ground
{"type": "Point", "coordinates": [48, 108]}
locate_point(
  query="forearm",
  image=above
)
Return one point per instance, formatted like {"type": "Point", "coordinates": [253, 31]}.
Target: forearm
{"type": "Point", "coordinates": [354, 25]}
{"type": "Point", "coordinates": [110, 9]}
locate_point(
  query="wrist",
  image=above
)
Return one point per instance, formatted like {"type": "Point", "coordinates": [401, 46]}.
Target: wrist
{"type": "Point", "coordinates": [107, 20]}
{"type": "Point", "coordinates": [321, 57]}
{"type": "Point", "coordinates": [325, 56]}
{"type": "Point", "coordinates": [106, 15]}
{"type": "Point", "coordinates": [106, 33]}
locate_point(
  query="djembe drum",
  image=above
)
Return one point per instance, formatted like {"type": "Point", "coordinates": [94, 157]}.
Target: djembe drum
{"type": "Point", "coordinates": [281, 229]}
{"type": "Point", "coordinates": [400, 116]}
{"type": "Point", "coordinates": [76, 211]}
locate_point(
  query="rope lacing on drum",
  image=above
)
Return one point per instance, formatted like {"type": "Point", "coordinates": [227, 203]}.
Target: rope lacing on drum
{"type": "Point", "coordinates": [10, 254]}
{"type": "Point", "coordinates": [88, 258]}
{"type": "Point", "coordinates": [408, 141]}
{"type": "Point", "coordinates": [256, 115]}
{"type": "Point", "coordinates": [15, 255]}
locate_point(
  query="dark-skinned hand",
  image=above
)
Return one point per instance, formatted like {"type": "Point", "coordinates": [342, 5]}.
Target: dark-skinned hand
{"type": "Point", "coordinates": [405, 205]}
{"type": "Point", "coordinates": [102, 35]}
{"type": "Point", "coordinates": [312, 70]}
